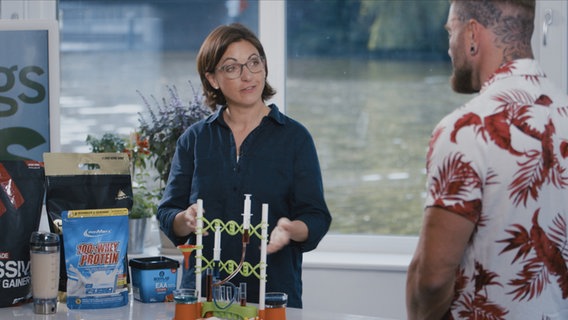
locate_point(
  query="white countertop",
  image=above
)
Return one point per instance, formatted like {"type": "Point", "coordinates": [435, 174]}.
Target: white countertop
{"type": "Point", "coordinates": [136, 310]}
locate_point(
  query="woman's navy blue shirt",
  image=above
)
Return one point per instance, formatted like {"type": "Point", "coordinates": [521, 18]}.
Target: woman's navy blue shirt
{"type": "Point", "coordinates": [277, 165]}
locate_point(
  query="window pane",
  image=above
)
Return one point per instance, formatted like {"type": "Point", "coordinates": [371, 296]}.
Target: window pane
{"type": "Point", "coordinates": [112, 49]}
{"type": "Point", "coordinates": [370, 81]}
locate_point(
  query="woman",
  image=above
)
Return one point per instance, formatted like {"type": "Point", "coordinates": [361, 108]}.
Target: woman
{"type": "Point", "coordinates": [246, 147]}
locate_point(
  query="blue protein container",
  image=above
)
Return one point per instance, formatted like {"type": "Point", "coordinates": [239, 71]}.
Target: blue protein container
{"type": "Point", "coordinates": [153, 278]}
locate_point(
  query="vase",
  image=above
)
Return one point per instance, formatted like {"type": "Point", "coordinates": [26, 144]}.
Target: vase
{"type": "Point", "coordinates": [137, 235]}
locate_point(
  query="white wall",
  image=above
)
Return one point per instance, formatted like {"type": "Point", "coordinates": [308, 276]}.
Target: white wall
{"type": "Point", "coordinates": [359, 275]}
{"type": "Point", "coordinates": [359, 292]}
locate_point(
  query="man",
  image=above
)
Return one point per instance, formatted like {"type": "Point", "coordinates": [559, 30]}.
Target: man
{"type": "Point", "coordinates": [494, 240]}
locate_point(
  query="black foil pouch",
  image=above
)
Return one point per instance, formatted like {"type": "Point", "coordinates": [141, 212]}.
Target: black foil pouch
{"type": "Point", "coordinates": [22, 191]}
{"type": "Point", "coordinates": [84, 181]}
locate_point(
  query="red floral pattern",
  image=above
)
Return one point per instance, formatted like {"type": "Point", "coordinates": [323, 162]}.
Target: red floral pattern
{"type": "Point", "coordinates": [543, 256]}
{"type": "Point", "coordinates": [501, 161]}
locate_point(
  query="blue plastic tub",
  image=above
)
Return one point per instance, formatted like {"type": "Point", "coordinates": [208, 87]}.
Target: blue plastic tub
{"type": "Point", "coordinates": [153, 278]}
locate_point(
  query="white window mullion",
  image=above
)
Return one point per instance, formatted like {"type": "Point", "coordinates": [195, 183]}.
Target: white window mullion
{"type": "Point", "coordinates": [272, 34]}
{"type": "Point", "coordinates": [28, 9]}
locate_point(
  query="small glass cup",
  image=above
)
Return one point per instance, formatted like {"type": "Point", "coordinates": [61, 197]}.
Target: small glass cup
{"type": "Point", "coordinates": [275, 303]}
{"type": "Point", "coordinates": [275, 300]}
{"type": "Point", "coordinates": [186, 304]}
{"type": "Point", "coordinates": [185, 296]}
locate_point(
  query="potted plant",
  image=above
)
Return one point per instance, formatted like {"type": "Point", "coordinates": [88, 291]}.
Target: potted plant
{"type": "Point", "coordinates": [162, 125]}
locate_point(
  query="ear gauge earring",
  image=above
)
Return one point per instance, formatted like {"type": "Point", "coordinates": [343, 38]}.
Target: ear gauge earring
{"type": "Point", "coordinates": [472, 50]}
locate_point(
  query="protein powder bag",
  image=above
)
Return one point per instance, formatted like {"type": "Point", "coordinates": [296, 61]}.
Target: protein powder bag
{"type": "Point", "coordinates": [22, 191]}
{"type": "Point", "coordinates": [95, 251]}
{"type": "Point", "coordinates": [85, 181]}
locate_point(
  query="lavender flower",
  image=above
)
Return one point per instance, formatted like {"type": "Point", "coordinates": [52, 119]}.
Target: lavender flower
{"type": "Point", "coordinates": [167, 121]}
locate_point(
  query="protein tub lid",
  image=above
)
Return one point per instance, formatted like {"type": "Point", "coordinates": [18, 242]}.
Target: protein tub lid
{"type": "Point", "coordinates": [151, 263]}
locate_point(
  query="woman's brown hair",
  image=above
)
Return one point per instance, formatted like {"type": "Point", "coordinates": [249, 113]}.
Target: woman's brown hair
{"type": "Point", "coordinates": [212, 51]}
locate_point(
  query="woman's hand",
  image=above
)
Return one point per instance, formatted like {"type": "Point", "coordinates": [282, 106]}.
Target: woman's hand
{"type": "Point", "coordinates": [285, 231]}
{"type": "Point", "coordinates": [185, 222]}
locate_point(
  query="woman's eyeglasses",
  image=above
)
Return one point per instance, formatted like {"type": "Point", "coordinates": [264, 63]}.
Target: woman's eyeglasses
{"type": "Point", "coordinates": [235, 70]}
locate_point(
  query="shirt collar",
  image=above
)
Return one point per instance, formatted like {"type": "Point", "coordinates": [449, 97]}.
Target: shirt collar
{"type": "Point", "coordinates": [527, 68]}
{"type": "Point", "coordinates": [274, 114]}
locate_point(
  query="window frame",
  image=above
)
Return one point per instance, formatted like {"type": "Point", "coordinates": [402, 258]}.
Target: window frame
{"type": "Point", "coordinates": [272, 33]}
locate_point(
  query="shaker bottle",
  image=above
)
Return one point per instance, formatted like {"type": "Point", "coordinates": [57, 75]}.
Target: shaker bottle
{"type": "Point", "coordinates": [44, 258]}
